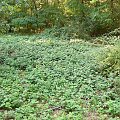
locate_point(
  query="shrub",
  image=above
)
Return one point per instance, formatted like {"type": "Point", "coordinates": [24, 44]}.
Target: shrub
{"type": "Point", "coordinates": [98, 22]}
{"type": "Point", "coordinates": [4, 27]}
{"type": "Point", "coordinates": [111, 61]}
{"type": "Point", "coordinates": [110, 68]}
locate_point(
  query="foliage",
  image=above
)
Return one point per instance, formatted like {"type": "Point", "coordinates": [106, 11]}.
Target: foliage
{"type": "Point", "coordinates": [111, 61]}
{"type": "Point", "coordinates": [99, 22]}
{"type": "Point", "coordinates": [49, 79]}
{"type": "Point", "coordinates": [81, 18]}
{"type": "Point", "coordinates": [110, 68]}
{"type": "Point", "coordinates": [4, 27]}
{"type": "Point", "coordinates": [113, 107]}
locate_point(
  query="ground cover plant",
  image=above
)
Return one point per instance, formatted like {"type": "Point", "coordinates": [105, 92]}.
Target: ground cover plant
{"type": "Point", "coordinates": [49, 79]}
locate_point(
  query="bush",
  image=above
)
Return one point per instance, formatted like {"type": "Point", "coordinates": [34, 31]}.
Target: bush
{"type": "Point", "coordinates": [98, 22]}
{"type": "Point", "coordinates": [111, 61]}
{"type": "Point", "coordinates": [4, 27]}
{"type": "Point", "coordinates": [46, 17]}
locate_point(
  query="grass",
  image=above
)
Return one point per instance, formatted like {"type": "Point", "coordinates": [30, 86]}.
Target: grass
{"type": "Point", "coordinates": [53, 80]}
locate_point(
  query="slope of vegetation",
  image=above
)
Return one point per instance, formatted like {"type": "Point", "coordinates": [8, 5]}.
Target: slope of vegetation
{"type": "Point", "coordinates": [55, 80]}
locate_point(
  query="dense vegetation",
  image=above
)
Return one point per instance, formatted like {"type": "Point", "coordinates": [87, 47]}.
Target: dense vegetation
{"type": "Point", "coordinates": [47, 79]}
{"type": "Point", "coordinates": [59, 59]}
{"type": "Point", "coordinates": [73, 18]}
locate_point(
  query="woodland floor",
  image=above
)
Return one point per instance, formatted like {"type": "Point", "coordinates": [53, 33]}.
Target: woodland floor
{"type": "Point", "coordinates": [53, 80]}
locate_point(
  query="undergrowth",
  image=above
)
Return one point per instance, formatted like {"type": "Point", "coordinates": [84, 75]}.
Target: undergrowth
{"type": "Point", "coordinates": [53, 80]}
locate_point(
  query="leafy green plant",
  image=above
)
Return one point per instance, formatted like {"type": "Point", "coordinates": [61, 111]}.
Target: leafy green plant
{"type": "Point", "coordinates": [4, 27]}
{"type": "Point", "coordinates": [113, 107]}
{"type": "Point", "coordinates": [111, 61]}
{"type": "Point", "coordinates": [117, 85]}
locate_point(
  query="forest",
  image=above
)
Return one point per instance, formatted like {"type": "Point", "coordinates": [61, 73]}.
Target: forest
{"type": "Point", "coordinates": [59, 59]}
